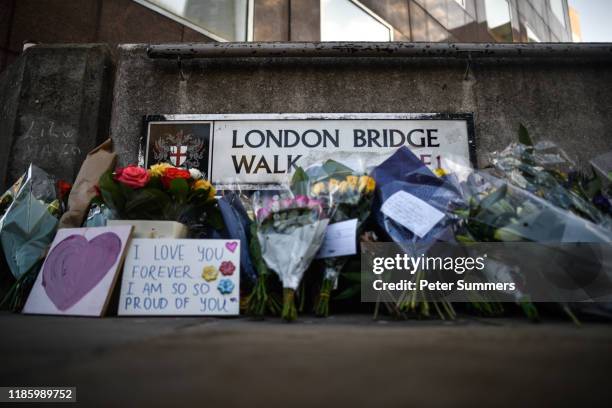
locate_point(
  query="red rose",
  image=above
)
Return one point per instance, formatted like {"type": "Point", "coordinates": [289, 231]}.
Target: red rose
{"type": "Point", "coordinates": [172, 173]}
{"type": "Point", "coordinates": [63, 189]}
{"type": "Point", "coordinates": [132, 176]}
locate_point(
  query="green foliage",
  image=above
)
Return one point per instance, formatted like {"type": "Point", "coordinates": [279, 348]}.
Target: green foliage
{"type": "Point", "coordinates": [179, 189]}
{"type": "Point", "coordinates": [147, 204]}
{"type": "Point", "coordinates": [112, 194]}
{"type": "Point", "coordinates": [299, 182]}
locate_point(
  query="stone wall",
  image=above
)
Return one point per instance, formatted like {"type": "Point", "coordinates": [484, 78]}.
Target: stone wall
{"type": "Point", "coordinates": [54, 107]}
{"type": "Point", "coordinates": [566, 100]}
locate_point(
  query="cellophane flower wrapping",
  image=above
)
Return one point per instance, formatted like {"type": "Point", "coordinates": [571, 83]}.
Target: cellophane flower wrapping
{"type": "Point", "coordinates": [290, 231]}
{"type": "Point", "coordinates": [403, 171]}
{"type": "Point", "coordinates": [28, 221]}
{"type": "Point", "coordinates": [499, 211]}
{"type": "Point", "coordinates": [344, 194]}
{"type": "Point", "coordinates": [546, 171]}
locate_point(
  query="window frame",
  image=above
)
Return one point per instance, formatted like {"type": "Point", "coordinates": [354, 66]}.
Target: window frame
{"type": "Point", "coordinates": [195, 27]}
{"type": "Point", "coordinates": [363, 8]}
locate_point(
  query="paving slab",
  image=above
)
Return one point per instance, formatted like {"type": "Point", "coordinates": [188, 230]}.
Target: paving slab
{"type": "Point", "coordinates": [343, 360]}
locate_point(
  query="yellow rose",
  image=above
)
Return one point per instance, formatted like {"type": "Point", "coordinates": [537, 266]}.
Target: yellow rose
{"type": "Point", "coordinates": [333, 185]}
{"type": "Point", "coordinates": [157, 170]}
{"type": "Point", "coordinates": [366, 184]}
{"type": "Point", "coordinates": [204, 185]}
{"type": "Point", "coordinates": [210, 273]}
{"type": "Point", "coordinates": [352, 181]}
{"type": "Point", "coordinates": [319, 188]}
{"type": "Point", "coordinates": [344, 187]}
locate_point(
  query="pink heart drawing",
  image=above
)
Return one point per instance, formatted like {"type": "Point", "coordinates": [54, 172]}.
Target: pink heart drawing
{"type": "Point", "coordinates": [75, 266]}
{"type": "Point", "coordinates": [231, 246]}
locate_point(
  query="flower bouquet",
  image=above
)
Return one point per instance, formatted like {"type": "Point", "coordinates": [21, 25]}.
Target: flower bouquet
{"type": "Point", "coordinates": [163, 192]}
{"type": "Point", "coordinates": [28, 220]}
{"type": "Point", "coordinates": [404, 175]}
{"type": "Point", "coordinates": [344, 194]}
{"type": "Point", "coordinates": [545, 171]}
{"type": "Point", "coordinates": [290, 231]}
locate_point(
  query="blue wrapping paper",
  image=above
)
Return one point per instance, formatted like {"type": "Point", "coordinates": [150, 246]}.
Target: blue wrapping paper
{"type": "Point", "coordinates": [237, 226]}
{"type": "Point", "coordinates": [403, 171]}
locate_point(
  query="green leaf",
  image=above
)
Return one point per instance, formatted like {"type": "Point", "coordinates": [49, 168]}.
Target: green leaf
{"type": "Point", "coordinates": [299, 182]}
{"type": "Point", "coordinates": [348, 293]}
{"type": "Point", "coordinates": [112, 193]}
{"type": "Point", "coordinates": [147, 204]}
{"type": "Point", "coordinates": [179, 189]}
{"type": "Point", "coordinates": [336, 169]}
{"type": "Point", "coordinates": [524, 137]}
{"type": "Point", "coordinates": [494, 197]}
{"type": "Point", "coordinates": [352, 276]}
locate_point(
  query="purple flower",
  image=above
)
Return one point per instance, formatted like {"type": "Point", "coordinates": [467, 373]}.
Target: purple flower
{"type": "Point", "coordinates": [301, 201]}
{"type": "Point", "coordinates": [286, 203]}
{"type": "Point", "coordinates": [312, 203]}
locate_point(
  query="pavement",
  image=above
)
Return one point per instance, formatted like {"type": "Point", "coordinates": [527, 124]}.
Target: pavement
{"type": "Point", "coordinates": [346, 360]}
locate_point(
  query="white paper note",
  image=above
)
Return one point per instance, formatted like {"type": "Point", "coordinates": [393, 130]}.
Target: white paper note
{"type": "Point", "coordinates": [412, 212]}
{"type": "Point", "coordinates": [340, 239]}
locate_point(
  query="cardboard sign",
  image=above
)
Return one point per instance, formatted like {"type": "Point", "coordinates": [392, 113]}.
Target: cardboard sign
{"type": "Point", "coordinates": [80, 272]}
{"type": "Point", "coordinates": [181, 277]}
{"type": "Point", "coordinates": [258, 151]}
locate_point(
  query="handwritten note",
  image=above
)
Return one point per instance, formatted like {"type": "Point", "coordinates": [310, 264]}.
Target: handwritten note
{"type": "Point", "coordinates": [340, 239]}
{"type": "Point", "coordinates": [181, 277]}
{"type": "Point", "coordinates": [412, 212]}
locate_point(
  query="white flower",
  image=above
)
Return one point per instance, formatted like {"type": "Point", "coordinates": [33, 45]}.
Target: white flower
{"type": "Point", "coordinates": [195, 174]}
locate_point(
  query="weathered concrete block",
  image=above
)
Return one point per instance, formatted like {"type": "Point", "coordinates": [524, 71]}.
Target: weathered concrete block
{"type": "Point", "coordinates": [566, 100]}
{"type": "Point", "coordinates": [56, 107]}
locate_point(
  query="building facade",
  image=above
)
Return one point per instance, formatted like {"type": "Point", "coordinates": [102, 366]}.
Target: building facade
{"type": "Point", "coordinates": [151, 21]}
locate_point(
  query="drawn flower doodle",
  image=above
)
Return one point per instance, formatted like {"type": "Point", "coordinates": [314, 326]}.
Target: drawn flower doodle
{"type": "Point", "coordinates": [226, 286]}
{"type": "Point", "coordinates": [227, 268]}
{"type": "Point", "coordinates": [209, 273]}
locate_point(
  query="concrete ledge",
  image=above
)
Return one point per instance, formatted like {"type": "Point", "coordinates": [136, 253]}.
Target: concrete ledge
{"type": "Point", "coordinates": [379, 50]}
{"type": "Point", "coordinates": [568, 103]}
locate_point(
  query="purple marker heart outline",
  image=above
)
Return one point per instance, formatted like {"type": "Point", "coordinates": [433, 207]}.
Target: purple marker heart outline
{"type": "Point", "coordinates": [231, 246]}
{"type": "Point", "coordinates": [75, 266]}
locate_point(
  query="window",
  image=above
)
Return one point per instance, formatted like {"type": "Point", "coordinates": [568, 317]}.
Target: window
{"type": "Point", "coordinates": [222, 20]}
{"type": "Point", "coordinates": [557, 9]}
{"type": "Point", "coordinates": [499, 20]}
{"type": "Point", "coordinates": [349, 20]}
{"type": "Point", "coordinates": [531, 35]}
